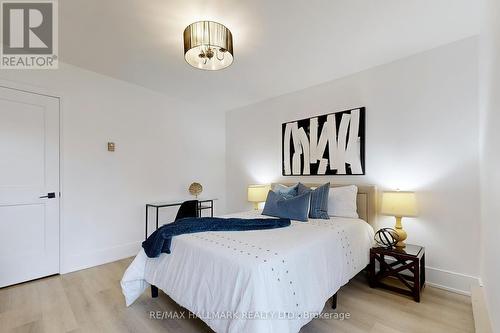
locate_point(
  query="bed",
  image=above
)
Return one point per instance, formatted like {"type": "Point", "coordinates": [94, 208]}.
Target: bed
{"type": "Point", "coordinates": [259, 281]}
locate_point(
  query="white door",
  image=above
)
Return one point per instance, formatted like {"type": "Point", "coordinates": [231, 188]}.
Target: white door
{"type": "Point", "coordinates": [29, 170]}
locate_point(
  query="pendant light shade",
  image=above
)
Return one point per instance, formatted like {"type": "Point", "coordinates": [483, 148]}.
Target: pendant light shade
{"type": "Point", "coordinates": [208, 45]}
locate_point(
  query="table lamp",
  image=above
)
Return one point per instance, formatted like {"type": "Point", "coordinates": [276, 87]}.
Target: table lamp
{"type": "Point", "coordinates": [399, 204]}
{"type": "Point", "coordinates": [257, 193]}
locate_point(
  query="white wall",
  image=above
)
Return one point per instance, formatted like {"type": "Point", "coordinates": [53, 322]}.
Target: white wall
{"type": "Point", "coordinates": [490, 157]}
{"type": "Point", "coordinates": [162, 145]}
{"type": "Point", "coordinates": [421, 134]}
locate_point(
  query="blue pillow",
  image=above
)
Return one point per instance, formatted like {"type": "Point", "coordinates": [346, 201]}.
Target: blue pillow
{"type": "Point", "coordinates": [296, 208]}
{"type": "Point", "coordinates": [319, 200]}
{"type": "Point", "coordinates": [286, 191]}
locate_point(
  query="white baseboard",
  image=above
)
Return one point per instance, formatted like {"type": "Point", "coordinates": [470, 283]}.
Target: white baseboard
{"type": "Point", "coordinates": [482, 321]}
{"type": "Point", "coordinates": [451, 281]}
{"type": "Point", "coordinates": [77, 262]}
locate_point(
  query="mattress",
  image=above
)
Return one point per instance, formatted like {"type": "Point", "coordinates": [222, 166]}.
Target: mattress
{"type": "Point", "coordinates": [256, 281]}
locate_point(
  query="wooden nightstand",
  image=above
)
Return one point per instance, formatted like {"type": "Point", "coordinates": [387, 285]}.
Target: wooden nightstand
{"type": "Point", "coordinates": [406, 264]}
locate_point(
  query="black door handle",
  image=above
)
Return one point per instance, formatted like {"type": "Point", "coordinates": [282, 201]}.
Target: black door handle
{"type": "Point", "coordinates": [50, 195]}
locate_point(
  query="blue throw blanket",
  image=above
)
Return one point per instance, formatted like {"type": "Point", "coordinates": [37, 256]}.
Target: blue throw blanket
{"type": "Point", "coordinates": [160, 240]}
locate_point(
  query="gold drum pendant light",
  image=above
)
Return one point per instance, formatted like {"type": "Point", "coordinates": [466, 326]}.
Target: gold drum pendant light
{"type": "Point", "coordinates": [208, 45]}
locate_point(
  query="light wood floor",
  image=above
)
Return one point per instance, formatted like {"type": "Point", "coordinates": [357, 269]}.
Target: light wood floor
{"type": "Point", "coordinates": [91, 301]}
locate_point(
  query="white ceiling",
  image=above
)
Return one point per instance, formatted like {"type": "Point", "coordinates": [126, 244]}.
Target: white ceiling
{"type": "Point", "coordinates": [279, 45]}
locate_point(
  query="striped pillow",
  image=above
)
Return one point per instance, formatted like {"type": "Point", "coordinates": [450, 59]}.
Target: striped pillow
{"type": "Point", "coordinates": [319, 200]}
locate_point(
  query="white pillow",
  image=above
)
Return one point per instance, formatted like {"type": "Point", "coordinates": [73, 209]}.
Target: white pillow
{"type": "Point", "coordinates": [342, 201]}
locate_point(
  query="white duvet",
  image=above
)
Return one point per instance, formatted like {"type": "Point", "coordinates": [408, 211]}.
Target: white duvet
{"type": "Point", "coordinates": [256, 281]}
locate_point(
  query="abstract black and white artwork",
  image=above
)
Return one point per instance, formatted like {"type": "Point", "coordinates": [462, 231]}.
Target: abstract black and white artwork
{"type": "Point", "coordinates": [331, 144]}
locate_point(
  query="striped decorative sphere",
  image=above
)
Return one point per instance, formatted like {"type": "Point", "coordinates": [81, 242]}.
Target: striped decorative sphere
{"type": "Point", "coordinates": [386, 237]}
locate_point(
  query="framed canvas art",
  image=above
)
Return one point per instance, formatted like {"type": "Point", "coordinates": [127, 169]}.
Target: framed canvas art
{"type": "Point", "coordinates": [330, 144]}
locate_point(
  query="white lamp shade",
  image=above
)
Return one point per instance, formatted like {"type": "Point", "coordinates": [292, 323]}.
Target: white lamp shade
{"type": "Point", "coordinates": [258, 193]}
{"type": "Point", "coordinates": [399, 204]}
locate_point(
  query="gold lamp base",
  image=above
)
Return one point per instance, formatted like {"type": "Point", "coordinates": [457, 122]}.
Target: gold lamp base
{"type": "Point", "coordinates": [402, 235]}
{"type": "Point", "coordinates": [256, 205]}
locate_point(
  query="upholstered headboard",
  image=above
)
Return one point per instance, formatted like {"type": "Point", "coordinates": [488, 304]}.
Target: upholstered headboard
{"type": "Point", "coordinates": [366, 200]}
